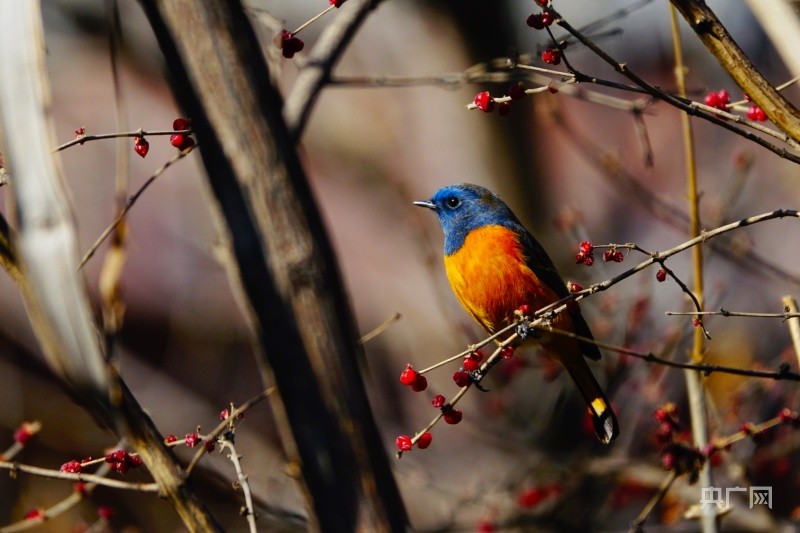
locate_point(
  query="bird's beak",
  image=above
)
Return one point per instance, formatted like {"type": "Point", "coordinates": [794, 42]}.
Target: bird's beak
{"type": "Point", "coordinates": [428, 204]}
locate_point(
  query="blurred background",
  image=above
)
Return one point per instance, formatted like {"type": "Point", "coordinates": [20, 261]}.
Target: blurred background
{"type": "Point", "coordinates": [572, 170]}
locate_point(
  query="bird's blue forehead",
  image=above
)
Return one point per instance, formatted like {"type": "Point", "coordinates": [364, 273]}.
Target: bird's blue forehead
{"type": "Point", "coordinates": [462, 208]}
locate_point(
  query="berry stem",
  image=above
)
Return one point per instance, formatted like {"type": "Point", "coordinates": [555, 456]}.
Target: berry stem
{"type": "Point", "coordinates": [313, 19]}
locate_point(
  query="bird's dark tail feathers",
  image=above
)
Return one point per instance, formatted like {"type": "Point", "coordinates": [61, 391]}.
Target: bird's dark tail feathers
{"type": "Point", "coordinates": [603, 419]}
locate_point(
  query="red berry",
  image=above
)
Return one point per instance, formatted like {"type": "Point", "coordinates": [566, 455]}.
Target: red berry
{"type": "Point", "coordinates": [461, 378]}
{"type": "Point", "coordinates": [223, 415]}
{"type": "Point", "coordinates": [788, 416]}
{"type": "Point", "coordinates": [121, 467]}
{"type": "Point", "coordinates": [451, 415]}
{"type": "Point", "coordinates": [586, 248]}
{"type": "Point", "coordinates": [608, 255]}
{"type": "Point", "coordinates": [664, 433]}
{"type": "Point", "coordinates": [181, 123]}
{"type": "Point", "coordinates": [746, 428]}
{"type": "Point", "coordinates": [470, 364]}
{"type": "Point", "coordinates": [192, 439]}
{"type": "Point", "coordinates": [289, 44]}
{"type": "Point", "coordinates": [438, 401]}
{"type": "Point", "coordinates": [472, 361]}
{"type": "Point", "coordinates": [23, 434]}
{"type": "Point", "coordinates": [484, 526]}
{"type": "Point", "coordinates": [517, 91]}
{"type": "Point", "coordinates": [524, 309]}
{"type": "Point", "coordinates": [420, 384]}
{"type": "Point", "coordinates": [134, 461]}
{"type": "Point", "coordinates": [484, 101]}
{"type": "Point", "coordinates": [408, 376]}
{"type": "Point", "coordinates": [141, 146]}
{"type": "Point", "coordinates": [424, 440]}
{"type": "Point", "coordinates": [117, 456]}
{"type": "Point", "coordinates": [181, 141]}
{"type": "Point", "coordinates": [105, 512]}
{"type": "Point", "coordinates": [617, 257]}
{"type": "Point", "coordinates": [403, 443]}
{"type": "Point", "coordinates": [71, 467]}
{"type": "Point", "coordinates": [551, 56]}
{"type": "Point", "coordinates": [588, 260]}
{"type": "Point", "coordinates": [756, 113]}
{"type": "Point", "coordinates": [79, 487]}
{"type": "Point", "coordinates": [170, 439]}
{"type": "Point", "coordinates": [547, 19]}
{"type": "Point", "coordinates": [661, 275]}
{"type": "Point", "coordinates": [697, 322]}
{"type": "Point", "coordinates": [507, 352]}
{"type": "Point", "coordinates": [711, 100]}
{"type": "Point", "coordinates": [573, 286]}
{"type": "Point", "coordinates": [504, 108]}
{"type": "Point", "coordinates": [531, 498]}
{"type": "Point", "coordinates": [337, 3]}
{"type": "Point", "coordinates": [535, 21]}
{"type": "Point", "coordinates": [719, 99]}
{"type": "Point", "coordinates": [34, 514]}
{"type": "Point", "coordinates": [209, 445]}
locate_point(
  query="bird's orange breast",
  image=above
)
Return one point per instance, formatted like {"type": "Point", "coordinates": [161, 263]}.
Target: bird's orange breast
{"type": "Point", "coordinates": [490, 277]}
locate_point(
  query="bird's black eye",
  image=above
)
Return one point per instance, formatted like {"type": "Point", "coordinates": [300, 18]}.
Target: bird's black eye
{"type": "Point", "coordinates": [452, 202]}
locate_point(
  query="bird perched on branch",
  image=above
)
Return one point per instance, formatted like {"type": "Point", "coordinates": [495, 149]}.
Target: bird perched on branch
{"type": "Point", "coordinates": [494, 266]}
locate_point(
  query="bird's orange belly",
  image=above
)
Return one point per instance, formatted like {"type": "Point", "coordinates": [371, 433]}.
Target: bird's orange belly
{"type": "Point", "coordinates": [490, 277]}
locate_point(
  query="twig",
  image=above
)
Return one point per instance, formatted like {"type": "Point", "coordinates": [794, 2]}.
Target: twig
{"type": "Point", "coordinates": [127, 207]}
{"type": "Point", "coordinates": [663, 489]}
{"type": "Point", "coordinates": [732, 58]}
{"type": "Point", "coordinates": [782, 374]}
{"type": "Point", "coordinates": [790, 305]}
{"type": "Point", "coordinates": [329, 48]}
{"type": "Point", "coordinates": [225, 425]}
{"type": "Point", "coordinates": [249, 509]}
{"type": "Point", "coordinates": [392, 320]}
{"type": "Point", "coordinates": [101, 136]}
{"type": "Point", "coordinates": [724, 312]}
{"type": "Point", "coordinates": [678, 102]}
{"type": "Point", "coordinates": [14, 467]}
{"type": "Point", "coordinates": [656, 206]}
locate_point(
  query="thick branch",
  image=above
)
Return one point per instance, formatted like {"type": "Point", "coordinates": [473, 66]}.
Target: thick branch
{"type": "Point", "coordinates": [733, 59]}
{"type": "Point", "coordinates": [283, 259]}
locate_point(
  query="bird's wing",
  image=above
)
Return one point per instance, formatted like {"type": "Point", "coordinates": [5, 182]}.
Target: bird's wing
{"type": "Point", "coordinates": [540, 263]}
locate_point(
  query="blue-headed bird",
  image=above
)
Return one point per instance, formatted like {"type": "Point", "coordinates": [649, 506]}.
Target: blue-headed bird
{"type": "Point", "coordinates": [495, 266]}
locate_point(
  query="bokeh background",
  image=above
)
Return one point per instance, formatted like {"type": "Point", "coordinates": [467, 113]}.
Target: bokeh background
{"type": "Point", "coordinates": [370, 151]}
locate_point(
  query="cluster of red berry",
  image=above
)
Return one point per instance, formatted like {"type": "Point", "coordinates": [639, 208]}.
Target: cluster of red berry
{"type": "Point", "coordinates": [181, 140]}
{"type": "Point", "coordinates": [720, 100]}
{"type": "Point", "coordinates": [585, 254]}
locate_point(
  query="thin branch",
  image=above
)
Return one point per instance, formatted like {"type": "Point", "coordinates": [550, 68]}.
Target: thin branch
{"type": "Point", "coordinates": [724, 312]}
{"type": "Point", "coordinates": [14, 467]}
{"type": "Point", "coordinates": [249, 509]}
{"type": "Point", "coordinates": [391, 321]}
{"type": "Point", "coordinates": [706, 369]}
{"type": "Point", "coordinates": [790, 306]}
{"type": "Point", "coordinates": [129, 204]}
{"type": "Point", "coordinates": [662, 491]}
{"type": "Point", "coordinates": [102, 136]}
{"type": "Point", "coordinates": [326, 53]}
{"type": "Point", "coordinates": [225, 425]}
{"type": "Point", "coordinates": [732, 58]}
{"type": "Point", "coordinates": [680, 103]}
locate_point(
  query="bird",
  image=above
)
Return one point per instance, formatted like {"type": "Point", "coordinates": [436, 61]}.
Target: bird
{"type": "Point", "coordinates": [495, 266]}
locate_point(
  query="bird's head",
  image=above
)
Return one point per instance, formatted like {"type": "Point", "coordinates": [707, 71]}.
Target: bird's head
{"type": "Point", "coordinates": [462, 208]}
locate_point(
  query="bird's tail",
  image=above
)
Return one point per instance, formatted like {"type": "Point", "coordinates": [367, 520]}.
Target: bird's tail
{"type": "Point", "coordinates": [603, 418]}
